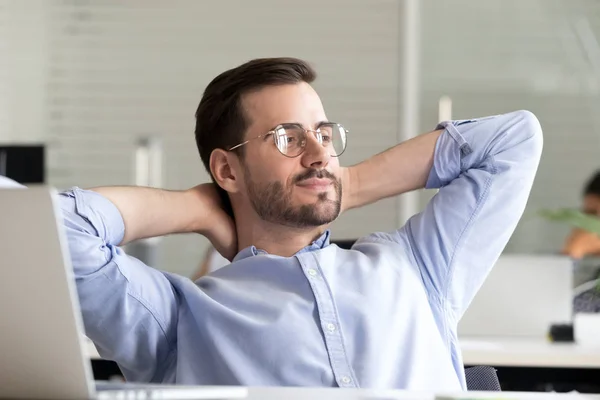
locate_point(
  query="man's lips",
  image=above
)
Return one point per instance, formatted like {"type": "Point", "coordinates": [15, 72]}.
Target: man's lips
{"type": "Point", "coordinates": [315, 183]}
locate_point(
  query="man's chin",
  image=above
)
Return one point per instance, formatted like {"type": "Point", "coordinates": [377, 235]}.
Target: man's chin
{"type": "Point", "coordinates": [324, 212]}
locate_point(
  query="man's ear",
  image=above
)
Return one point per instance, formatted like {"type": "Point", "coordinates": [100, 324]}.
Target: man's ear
{"type": "Point", "coordinates": [225, 167]}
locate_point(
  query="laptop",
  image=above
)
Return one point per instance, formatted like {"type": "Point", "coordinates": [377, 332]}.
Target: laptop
{"type": "Point", "coordinates": [522, 297]}
{"type": "Point", "coordinates": [42, 344]}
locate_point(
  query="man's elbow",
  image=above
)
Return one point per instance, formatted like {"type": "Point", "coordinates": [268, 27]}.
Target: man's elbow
{"type": "Point", "coordinates": [532, 139]}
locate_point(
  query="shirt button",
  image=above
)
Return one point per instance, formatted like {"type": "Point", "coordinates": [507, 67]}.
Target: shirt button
{"type": "Point", "coordinates": [331, 327]}
{"type": "Point", "coordinates": [312, 272]}
{"type": "Point", "coordinates": [346, 379]}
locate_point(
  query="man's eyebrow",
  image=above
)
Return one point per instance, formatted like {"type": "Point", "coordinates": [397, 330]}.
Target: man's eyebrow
{"type": "Point", "coordinates": [321, 123]}
{"type": "Point", "coordinates": [284, 124]}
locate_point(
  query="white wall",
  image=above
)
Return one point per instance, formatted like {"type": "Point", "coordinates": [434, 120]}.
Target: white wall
{"type": "Point", "coordinates": [23, 68]}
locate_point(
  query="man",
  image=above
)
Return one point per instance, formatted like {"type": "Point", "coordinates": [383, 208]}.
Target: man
{"type": "Point", "coordinates": [292, 309]}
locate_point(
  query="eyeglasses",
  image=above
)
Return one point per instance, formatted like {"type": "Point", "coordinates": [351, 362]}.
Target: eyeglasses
{"type": "Point", "coordinates": [291, 139]}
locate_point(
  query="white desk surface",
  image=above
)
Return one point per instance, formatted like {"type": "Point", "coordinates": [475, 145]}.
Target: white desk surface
{"type": "Point", "coordinates": [366, 394]}
{"type": "Point", "coordinates": [476, 351]}
{"type": "Point", "coordinates": [516, 352]}
{"type": "Point", "coordinates": [510, 352]}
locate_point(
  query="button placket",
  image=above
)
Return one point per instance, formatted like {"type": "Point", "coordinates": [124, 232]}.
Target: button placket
{"type": "Point", "coordinates": [341, 369]}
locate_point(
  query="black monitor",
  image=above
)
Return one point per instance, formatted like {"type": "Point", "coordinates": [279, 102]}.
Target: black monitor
{"type": "Point", "coordinates": [24, 163]}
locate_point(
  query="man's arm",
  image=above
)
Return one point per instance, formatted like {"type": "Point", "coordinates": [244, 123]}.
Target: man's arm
{"type": "Point", "coordinates": [149, 212]}
{"type": "Point", "coordinates": [6, 183]}
{"type": "Point", "coordinates": [129, 310]}
{"type": "Point", "coordinates": [401, 169]}
{"type": "Point", "coordinates": [484, 169]}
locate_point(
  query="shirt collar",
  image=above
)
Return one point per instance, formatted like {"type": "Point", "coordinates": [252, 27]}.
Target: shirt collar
{"type": "Point", "coordinates": [320, 243]}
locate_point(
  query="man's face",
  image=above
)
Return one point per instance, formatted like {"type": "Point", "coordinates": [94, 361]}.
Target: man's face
{"type": "Point", "coordinates": [304, 191]}
{"type": "Point", "coordinates": [591, 204]}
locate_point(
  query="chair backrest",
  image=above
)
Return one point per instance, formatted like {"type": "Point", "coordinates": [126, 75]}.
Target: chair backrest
{"type": "Point", "coordinates": [586, 297]}
{"type": "Point", "coordinates": [482, 378]}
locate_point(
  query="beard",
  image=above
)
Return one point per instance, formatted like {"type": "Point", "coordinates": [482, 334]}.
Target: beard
{"type": "Point", "coordinates": [273, 203]}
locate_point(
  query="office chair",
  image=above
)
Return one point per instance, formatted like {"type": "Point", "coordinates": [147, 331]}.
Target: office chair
{"type": "Point", "coordinates": [482, 378]}
{"type": "Point", "coordinates": [586, 297]}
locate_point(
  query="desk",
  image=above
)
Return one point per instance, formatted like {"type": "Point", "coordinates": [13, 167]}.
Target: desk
{"type": "Point", "coordinates": [365, 394]}
{"type": "Point", "coordinates": [523, 364]}
{"type": "Point", "coordinates": [536, 364]}
{"type": "Point", "coordinates": [513, 352]}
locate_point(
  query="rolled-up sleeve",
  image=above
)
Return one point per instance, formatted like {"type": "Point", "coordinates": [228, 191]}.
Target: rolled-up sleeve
{"type": "Point", "coordinates": [6, 183]}
{"type": "Point", "coordinates": [484, 169]}
{"type": "Point", "coordinates": [129, 309]}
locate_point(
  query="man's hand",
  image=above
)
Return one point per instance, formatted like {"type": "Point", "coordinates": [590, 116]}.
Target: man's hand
{"type": "Point", "coordinates": [581, 243]}
{"type": "Point", "coordinates": [216, 225]}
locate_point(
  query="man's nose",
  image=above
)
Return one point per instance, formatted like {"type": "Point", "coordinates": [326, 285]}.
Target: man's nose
{"type": "Point", "coordinates": [315, 154]}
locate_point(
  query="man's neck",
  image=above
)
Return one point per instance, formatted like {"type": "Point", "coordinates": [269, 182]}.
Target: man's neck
{"type": "Point", "coordinates": [276, 239]}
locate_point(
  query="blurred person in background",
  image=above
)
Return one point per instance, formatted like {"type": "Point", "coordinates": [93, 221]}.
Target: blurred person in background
{"type": "Point", "coordinates": [584, 247]}
{"type": "Point", "coordinates": [292, 309]}
{"type": "Point", "coordinates": [581, 243]}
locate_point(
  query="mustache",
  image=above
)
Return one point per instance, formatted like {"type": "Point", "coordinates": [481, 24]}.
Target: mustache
{"type": "Point", "coordinates": [314, 173]}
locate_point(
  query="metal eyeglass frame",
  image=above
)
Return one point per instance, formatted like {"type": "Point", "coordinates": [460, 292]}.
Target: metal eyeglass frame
{"type": "Point", "coordinates": [306, 131]}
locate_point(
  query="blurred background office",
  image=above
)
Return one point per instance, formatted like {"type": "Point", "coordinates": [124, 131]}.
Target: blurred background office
{"type": "Point", "coordinates": [109, 88]}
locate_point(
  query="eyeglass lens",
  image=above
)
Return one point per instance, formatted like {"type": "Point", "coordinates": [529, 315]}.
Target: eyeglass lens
{"type": "Point", "coordinates": [291, 139]}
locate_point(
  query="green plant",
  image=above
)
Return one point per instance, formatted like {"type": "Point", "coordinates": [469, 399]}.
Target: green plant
{"type": "Point", "coordinates": [575, 219]}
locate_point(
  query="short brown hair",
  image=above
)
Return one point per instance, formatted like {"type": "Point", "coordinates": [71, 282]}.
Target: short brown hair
{"type": "Point", "coordinates": [220, 119]}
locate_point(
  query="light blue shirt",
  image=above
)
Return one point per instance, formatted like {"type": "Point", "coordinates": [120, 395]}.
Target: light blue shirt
{"type": "Point", "coordinates": [382, 315]}
{"type": "Point", "coordinates": [7, 183]}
